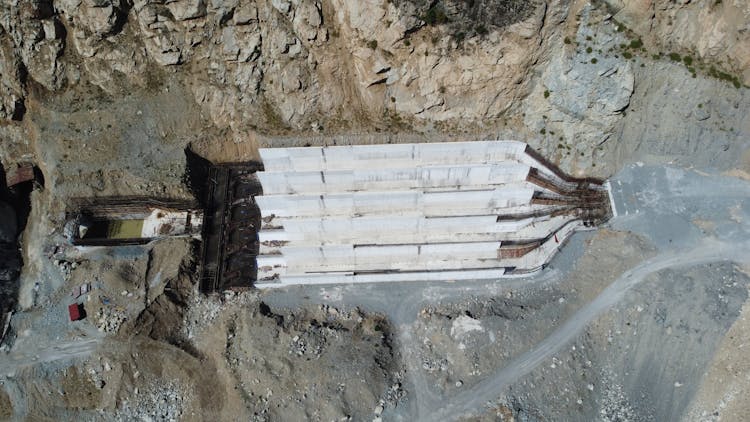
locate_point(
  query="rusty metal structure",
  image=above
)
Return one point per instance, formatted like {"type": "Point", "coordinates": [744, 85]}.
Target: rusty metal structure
{"type": "Point", "coordinates": [88, 219]}
{"type": "Point", "coordinates": [416, 212]}
{"type": "Point", "coordinates": [231, 221]}
{"type": "Point", "coordinates": [370, 213]}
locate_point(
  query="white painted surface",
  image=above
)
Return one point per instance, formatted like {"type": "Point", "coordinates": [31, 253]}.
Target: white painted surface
{"type": "Point", "coordinates": [162, 223]}
{"type": "Point", "coordinates": [368, 213]}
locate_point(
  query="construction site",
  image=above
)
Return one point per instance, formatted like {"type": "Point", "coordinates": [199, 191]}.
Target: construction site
{"type": "Point", "coordinates": [362, 214]}
{"type": "Point", "coordinates": [377, 211]}
{"type": "Point", "coordinates": [411, 212]}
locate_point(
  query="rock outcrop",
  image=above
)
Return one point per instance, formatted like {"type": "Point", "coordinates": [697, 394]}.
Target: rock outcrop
{"type": "Point", "coordinates": [283, 63]}
{"type": "Point", "coordinates": [277, 67]}
{"type": "Point", "coordinates": [715, 31]}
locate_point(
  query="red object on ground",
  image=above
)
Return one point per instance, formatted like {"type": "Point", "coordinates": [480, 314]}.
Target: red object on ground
{"type": "Point", "coordinates": [556, 241]}
{"type": "Point", "coordinates": [75, 312]}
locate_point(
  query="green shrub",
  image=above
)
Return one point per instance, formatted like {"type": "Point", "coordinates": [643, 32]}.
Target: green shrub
{"type": "Point", "coordinates": [589, 50]}
{"type": "Point", "coordinates": [435, 15]}
{"type": "Point", "coordinates": [372, 44]}
{"type": "Point", "coordinates": [481, 30]}
{"type": "Point", "coordinates": [594, 60]}
{"type": "Point", "coordinates": [687, 60]}
{"type": "Point", "coordinates": [566, 40]}
{"type": "Point", "coordinates": [627, 55]}
{"type": "Point", "coordinates": [546, 93]}
{"type": "Point", "coordinates": [636, 44]}
{"type": "Point", "coordinates": [543, 131]}
{"type": "Point", "coordinates": [674, 57]}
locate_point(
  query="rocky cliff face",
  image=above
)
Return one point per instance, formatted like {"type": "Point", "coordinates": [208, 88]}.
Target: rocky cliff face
{"type": "Point", "coordinates": [550, 72]}
{"type": "Point", "coordinates": [283, 63]}
{"type": "Point", "coordinates": [715, 31]}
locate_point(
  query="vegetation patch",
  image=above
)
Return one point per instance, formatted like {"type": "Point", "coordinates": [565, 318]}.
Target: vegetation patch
{"type": "Point", "coordinates": [636, 46]}
{"type": "Point", "coordinates": [435, 15]}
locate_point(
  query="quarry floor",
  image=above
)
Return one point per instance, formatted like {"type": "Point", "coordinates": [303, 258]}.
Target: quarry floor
{"type": "Point", "coordinates": [643, 319]}
{"type": "Point", "coordinates": [691, 219]}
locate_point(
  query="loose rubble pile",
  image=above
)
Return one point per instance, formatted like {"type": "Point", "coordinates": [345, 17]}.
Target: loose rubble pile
{"type": "Point", "coordinates": [312, 361]}
{"type": "Point", "coordinates": [65, 267]}
{"type": "Point", "coordinates": [158, 401]}
{"type": "Point", "coordinates": [109, 319]}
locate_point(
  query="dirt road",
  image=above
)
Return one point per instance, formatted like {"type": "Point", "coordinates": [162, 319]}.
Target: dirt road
{"type": "Point", "coordinates": [659, 203]}
{"type": "Point", "coordinates": [473, 399]}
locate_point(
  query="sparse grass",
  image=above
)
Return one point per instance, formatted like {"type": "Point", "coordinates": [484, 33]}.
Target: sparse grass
{"type": "Point", "coordinates": [481, 30]}
{"type": "Point", "coordinates": [272, 117]}
{"type": "Point", "coordinates": [734, 80]}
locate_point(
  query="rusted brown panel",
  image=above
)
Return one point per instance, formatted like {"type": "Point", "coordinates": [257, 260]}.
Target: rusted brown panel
{"type": "Point", "coordinates": [555, 169]}
{"type": "Point", "coordinates": [516, 251]}
{"type": "Point", "coordinates": [20, 174]}
{"type": "Point", "coordinates": [552, 201]}
{"type": "Point", "coordinates": [535, 178]}
{"type": "Point", "coordinates": [121, 207]}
